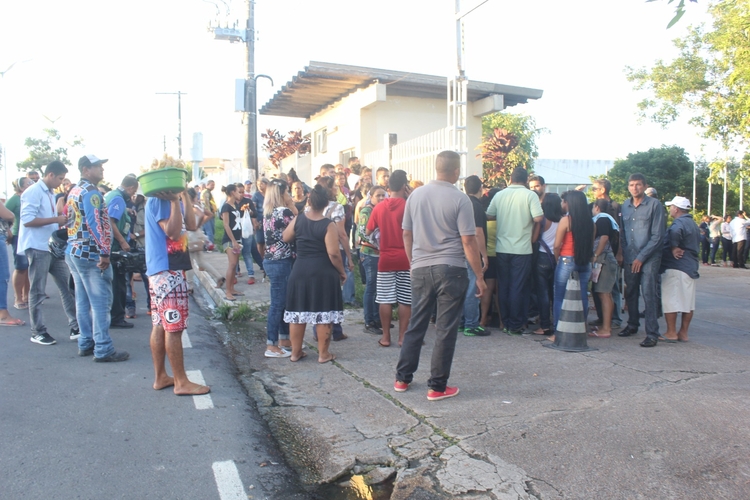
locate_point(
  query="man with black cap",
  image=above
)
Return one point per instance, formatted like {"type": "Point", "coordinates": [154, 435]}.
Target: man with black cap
{"type": "Point", "coordinates": [39, 219]}
{"type": "Point", "coordinates": [87, 255]}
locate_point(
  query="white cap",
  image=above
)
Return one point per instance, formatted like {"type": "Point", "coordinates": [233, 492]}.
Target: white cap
{"type": "Point", "coordinates": [679, 202]}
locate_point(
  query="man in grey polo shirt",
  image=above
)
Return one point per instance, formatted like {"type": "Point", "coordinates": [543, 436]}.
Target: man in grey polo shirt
{"type": "Point", "coordinates": [439, 238]}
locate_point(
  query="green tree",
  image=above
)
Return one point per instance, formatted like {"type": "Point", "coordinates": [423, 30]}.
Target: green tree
{"type": "Point", "coordinates": [709, 80]}
{"type": "Point", "coordinates": [668, 169]}
{"type": "Point", "coordinates": [46, 149]}
{"type": "Point", "coordinates": [525, 133]}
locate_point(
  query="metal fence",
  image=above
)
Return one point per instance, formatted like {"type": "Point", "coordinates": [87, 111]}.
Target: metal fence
{"type": "Point", "coordinates": [416, 156]}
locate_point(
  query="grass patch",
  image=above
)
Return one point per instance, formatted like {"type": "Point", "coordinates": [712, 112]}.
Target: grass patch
{"type": "Point", "coordinates": [223, 312]}
{"type": "Point", "coordinates": [242, 312]}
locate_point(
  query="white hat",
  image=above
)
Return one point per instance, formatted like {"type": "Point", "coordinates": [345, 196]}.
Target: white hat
{"type": "Point", "coordinates": [680, 202]}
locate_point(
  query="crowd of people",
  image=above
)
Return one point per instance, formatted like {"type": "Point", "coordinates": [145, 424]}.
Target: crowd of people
{"type": "Point", "coordinates": [435, 253]}
{"type": "Point", "coordinates": [452, 258]}
{"type": "Point", "coordinates": [81, 234]}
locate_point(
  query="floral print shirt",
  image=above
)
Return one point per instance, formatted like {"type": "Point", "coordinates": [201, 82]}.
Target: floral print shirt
{"type": "Point", "coordinates": [273, 227]}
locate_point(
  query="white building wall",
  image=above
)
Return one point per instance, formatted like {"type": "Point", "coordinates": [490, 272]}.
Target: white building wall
{"type": "Point", "coordinates": [362, 120]}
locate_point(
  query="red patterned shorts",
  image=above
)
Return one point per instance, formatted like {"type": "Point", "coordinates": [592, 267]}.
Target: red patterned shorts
{"type": "Point", "coordinates": [169, 300]}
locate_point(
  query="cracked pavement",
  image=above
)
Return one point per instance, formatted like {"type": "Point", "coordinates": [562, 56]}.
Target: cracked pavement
{"type": "Point", "coordinates": [530, 422]}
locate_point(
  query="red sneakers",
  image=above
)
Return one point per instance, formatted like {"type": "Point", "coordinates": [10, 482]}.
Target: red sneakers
{"type": "Point", "coordinates": [399, 386]}
{"type": "Point", "coordinates": [449, 392]}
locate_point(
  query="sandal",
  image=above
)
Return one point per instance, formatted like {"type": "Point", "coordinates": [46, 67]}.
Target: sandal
{"type": "Point", "coordinates": [594, 333]}
{"type": "Point", "coordinates": [21, 305]}
{"type": "Point", "coordinates": [251, 281]}
{"type": "Point", "coordinates": [381, 344]}
{"type": "Point", "coordinates": [12, 322]}
{"type": "Point", "coordinates": [220, 282]}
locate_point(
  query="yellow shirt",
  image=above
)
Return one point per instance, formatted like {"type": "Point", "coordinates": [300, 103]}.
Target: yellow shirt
{"type": "Point", "coordinates": [491, 235]}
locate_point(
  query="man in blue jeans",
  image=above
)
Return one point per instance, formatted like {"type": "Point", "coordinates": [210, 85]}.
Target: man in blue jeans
{"type": "Point", "coordinates": [642, 231]}
{"type": "Point", "coordinates": [471, 328]}
{"type": "Point", "coordinates": [516, 209]}
{"type": "Point", "coordinates": [87, 255]}
{"type": "Point", "coordinates": [439, 238]}
{"type": "Point", "coordinates": [39, 219]}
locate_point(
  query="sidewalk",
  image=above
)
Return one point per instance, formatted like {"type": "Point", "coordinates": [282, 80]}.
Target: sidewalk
{"type": "Point", "coordinates": [530, 422]}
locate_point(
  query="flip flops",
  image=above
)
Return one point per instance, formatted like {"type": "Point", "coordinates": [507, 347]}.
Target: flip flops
{"type": "Point", "coordinates": [12, 322]}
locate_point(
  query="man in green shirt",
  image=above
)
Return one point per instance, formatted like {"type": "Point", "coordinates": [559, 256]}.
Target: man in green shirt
{"type": "Point", "coordinates": [516, 210]}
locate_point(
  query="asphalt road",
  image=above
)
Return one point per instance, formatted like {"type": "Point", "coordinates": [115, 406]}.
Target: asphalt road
{"type": "Point", "coordinates": [72, 428]}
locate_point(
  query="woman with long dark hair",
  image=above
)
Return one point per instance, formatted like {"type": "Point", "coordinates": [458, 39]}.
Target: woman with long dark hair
{"type": "Point", "coordinates": [546, 262]}
{"type": "Point", "coordinates": [278, 212]}
{"type": "Point", "coordinates": [231, 215]}
{"type": "Point", "coordinates": [574, 248]}
{"type": "Point", "coordinates": [314, 287]}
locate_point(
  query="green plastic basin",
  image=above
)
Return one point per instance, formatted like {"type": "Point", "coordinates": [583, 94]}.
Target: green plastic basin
{"type": "Point", "coordinates": [163, 179]}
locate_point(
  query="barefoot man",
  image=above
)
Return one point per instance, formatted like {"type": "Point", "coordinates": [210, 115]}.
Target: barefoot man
{"type": "Point", "coordinates": [167, 260]}
{"type": "Point", "coordinates": [679, 267]}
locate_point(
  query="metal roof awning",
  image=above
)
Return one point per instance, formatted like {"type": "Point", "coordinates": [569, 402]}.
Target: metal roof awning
{"type": "Point", "coordinates": [321, 84]}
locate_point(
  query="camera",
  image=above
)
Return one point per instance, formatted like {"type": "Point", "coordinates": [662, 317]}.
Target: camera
{"type": "Point", "coordinates": [129, 262]}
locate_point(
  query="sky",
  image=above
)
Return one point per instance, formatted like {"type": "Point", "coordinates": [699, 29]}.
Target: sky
{"type": "Point", "coordinates": [94, 67]}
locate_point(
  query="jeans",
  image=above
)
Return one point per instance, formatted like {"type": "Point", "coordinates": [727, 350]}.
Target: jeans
{"type": "Point", "coordinates": [513, 292]}
{"type": "Point", "coordinates": [119, 293]}
{"type": "Point", "coordinates": [4, 273]}
{"type": "Point", "coordinates": [715, 242]}
{"type": "Point", "coordinates": [42, 263]}
{"type": "Point", "coordinates": [471, 301]}
{"type": "Point", "coordinates": [705, 247]}
{"type": "Point", "coordinates": [565, 266]}
{"type": "Point", "coordinates": [93, 304]}
{"type": "Point", "coordinates": [444, 286]}
{"type": "Point", "coordinates": [372, 314]}
{"type": "Point", "coordinates": [647, 280]}
{"type": "Point", "coordinates": [249, 253]}
{"type": "Point", "coordinates": [545, 281]}
{"type": "Point", "coordinates": [209, 228]}
{"type": "Point", "coordinates": [278, 272]}
{"type": "Point", "coordinates": [349, 283]}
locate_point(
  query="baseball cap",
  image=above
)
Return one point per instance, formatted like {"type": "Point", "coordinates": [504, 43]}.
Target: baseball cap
{"type": "Point", "coordinates": [248, 182]}
{"type": "Point", "coordinates": [679, 202]}
{"type": "Point", "coordinates": [90, 161]}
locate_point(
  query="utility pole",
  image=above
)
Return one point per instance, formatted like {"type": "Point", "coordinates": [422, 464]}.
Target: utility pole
{"type": "Point", "coordinates": [250, 107]}
{"type": "Point", "coordinates": [251, 133]}
{"type": "Point", "coordinates": [179, 95]}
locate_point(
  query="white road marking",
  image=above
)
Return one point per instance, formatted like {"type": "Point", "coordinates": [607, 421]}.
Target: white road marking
{"type": "Point", "coordinates": [186, 340]}
{"type": "Point", "coordinates": [228, 481]}
{"type": "Point", "coordinates": [202, 401]}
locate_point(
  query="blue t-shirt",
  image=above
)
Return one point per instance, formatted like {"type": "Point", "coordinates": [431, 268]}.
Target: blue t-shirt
{"type": "Point", "coordinates": [162, 253]}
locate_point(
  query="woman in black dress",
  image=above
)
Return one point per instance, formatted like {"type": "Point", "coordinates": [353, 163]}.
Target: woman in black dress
{"type": "Point", "coordinates": [314, 287]}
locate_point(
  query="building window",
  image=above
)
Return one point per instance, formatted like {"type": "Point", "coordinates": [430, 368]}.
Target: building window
{"type": "Point", "coordinates": [321, 141]}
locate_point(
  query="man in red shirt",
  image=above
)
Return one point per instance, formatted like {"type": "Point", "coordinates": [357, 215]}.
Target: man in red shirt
{"type": "Point", "coordinates": [394, 277]}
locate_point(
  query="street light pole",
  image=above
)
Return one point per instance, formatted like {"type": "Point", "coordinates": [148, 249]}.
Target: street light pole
{"type": "Point", "coordinates": [179, 95]}
{"type": "Point", "coordinates": [251, 132]}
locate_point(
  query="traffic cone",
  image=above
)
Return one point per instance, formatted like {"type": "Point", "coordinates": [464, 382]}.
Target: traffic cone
{"type": "Point", "coordinates": [571, 334]}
